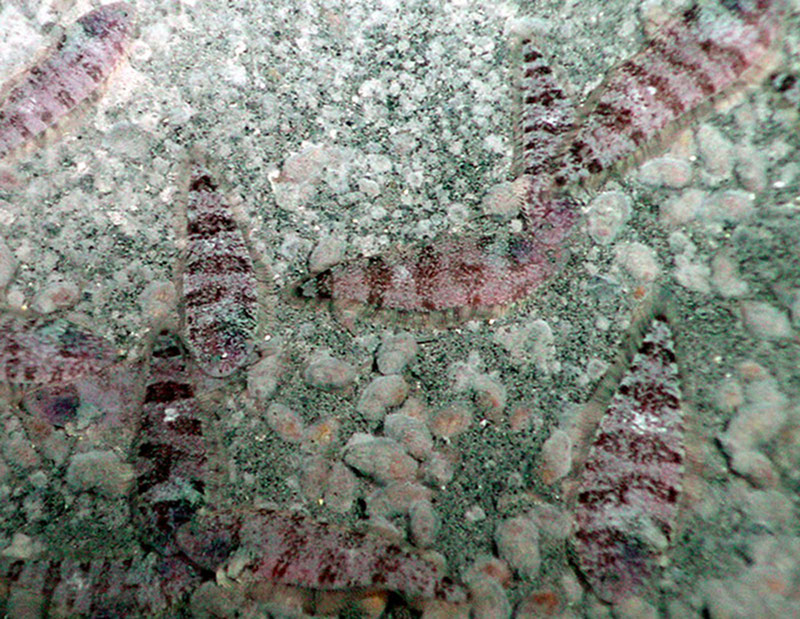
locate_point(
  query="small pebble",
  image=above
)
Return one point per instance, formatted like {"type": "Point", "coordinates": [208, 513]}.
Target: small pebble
{"type": "Point", "coordinates": [424, 523]}
{"type": "Point", "coordinates": [381, 394]}
{"type": "Point", "coordinates": [635, 608]}
{"type": "Point", "coordinates": [639, 260]}
{"type": "Point", "coordinates": [475, 514]}
{"type": "Point", "coordinates": [38, 480]}
{"type": "Point", "coordinates": [382, 459]}
{"type": "Point", "coordinates": [525, 417]}
{"type": "Point", "coordinates": [56, 447]}
{"type": "Point", "coordinates": [383, 527]}
{"type": "Point", "coordinates": [461, 373]}
{"type": "Point", "coordinates": [680, 243]}
{"type": "Point", "coordinates": [369, 187]}
{"type": "Point", "coordinates": [285, 422]}
{"type": "Point", "coordinates": [770, 509]}
{"type": "Point", "coordinates": [730, 395]}
{"type": "Point", "coordinates": [755, 467]}
{"type": "Point", "coordinates": [437, 470]}
{"type": "Point", "coordinates": [751, 371]}
{"type": "Point", "coordinates": [765, 321]}
{"type": "Point", "coordinates": [539, 603]}
{"type": "Point", "coordinates": [488, 566]}
{"type": "Point", "coordinates": [438, 609]}
{"type": "Point", "coordinates": [102, 471]}
{"type": "Point", "coordinates": [262, 378]}
{"type": "Point", "coordinates": [490, 396]}
{"type": "Point", "coordinates": [410, 433]}
{"type": "Point", "coordinates": [320, 435]}
{"type": "Point", "coordinates": [315, 472]}
{"type": "Point", "coordinates": [56, 295]}
{"type": "Point", "coordinates": [556, 459]}
{"type": "Point", "coordinates": [666, 172]}
{"type": "Point", "coordinates": [329, 374]}
{"type": "Point", "coordinates": [140, 52]}
{"type": "Point", "coordinates": [128, 140]}
{"type": "Point", "coordinates": [725, 277]}
{"type": "Point", "coordinates": [716, 151]}
{"type": "Point", "coordinates": [543, 352]}
{"type": "Point", "coordinates": [396, 499]}
{"type": "Point", "coordinates": [21, 547]}
{"type": "Point", "coordinates": [489, 600]}
{"type": "Point", "coordinates": [517, 542]}
{"type": "Point", "coordinates": [285, 601]}
{"type": "Point", "coordinates": [524, 27]}
{"type": "Point", "coordinates": [213, 601]}
{"type": "Point", "coordinates": [608, 212]}
{"type": "Point", "coordinates": [655, 13]}
{"type": "Point", "coordinates": [682, 209]}
{"type": "Point", "coordinates": [158, 299]}
{"type": "Point", "coordinates": [368, 605]}
{"type": "Point", "coordinates": [532, 342]}
{"type": "Point", "coordinates": [760, 418]}
{"type": "Point", "coordinates": [18, 450]}
{"type": "Point", "coordinates": [415, 408]}
{"type": "Point", "coordinates": [729, 206]}
{"type": "Point", "coordinates": [692, 275]}
{"type": "Point", "coordinates": [573, 590]}
{"type": "Point", "coordinates": [504, 199]}
{"type": "Point", "coordinates": [682, 145]}
{"type": "Point", "coordinates": [340, 492]}
{"type": "Point", "coordinates": [452, 420]}
{"type": "Point", "coordinates": [751, 169]}
{"type": "Point", "coordinates": [327, 253]}
{"type": "Point", "coordinates": [595, 369]}
{"type": "Point", "coordinates": [16, 299]}
{"type": "Point", "coordinates": [307, 165]}
{"type": "Point", "coordinates": [395, 352]}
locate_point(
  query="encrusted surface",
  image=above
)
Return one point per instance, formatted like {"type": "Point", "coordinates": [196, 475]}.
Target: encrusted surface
{"type": "Point", "coordinates": [367, 126]}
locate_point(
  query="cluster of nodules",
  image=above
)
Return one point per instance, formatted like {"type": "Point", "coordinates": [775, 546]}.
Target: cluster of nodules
{"type": "Point", "coordinates": [405, 457]}
{"type": "Point", "coordinates": [72, 381]}
{"type": "Point", "coordinates": [70, 378]}
{"type": "Point", "coordinates": [61, 376]}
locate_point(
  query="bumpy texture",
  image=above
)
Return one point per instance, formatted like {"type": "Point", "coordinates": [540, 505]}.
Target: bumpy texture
{"type": "Point", "coordinates": [628, 491]}
{"type": "Point", "coordinates": [80, 62]}
{"type": "Point", "coordinates": [145, 585]}
{"type": "Point", "coordinates": [219, 282]}
{"type": "Point", "coordinates": [295, 550]}
{"type": "Point", "coordinates": [466, 277]}
{"type": "Point", "coordinates": [171, 452]}
{"type": "Point", "coordinates": [690, 60]}
{"type": "Point", "coordinates": [35, 351]}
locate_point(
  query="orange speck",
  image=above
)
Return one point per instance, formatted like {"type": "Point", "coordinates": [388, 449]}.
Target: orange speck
{"type": "Point", "coordinates": [323, 433]}
{"type": "Point", "coordinates": [775, 584]}
{"type": "Point", "coordinates": [750, 370]}
{"type": "Point", "coordinates": [451, 421]}
{"type": "Point", "coordinates": [547, 600]}
{"type": "Point", "coordinates": [522, 418]}
{"type": "Point", "coordinates": [544, 602]}
{"type": "Point", "coordinates": [373, 604]}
